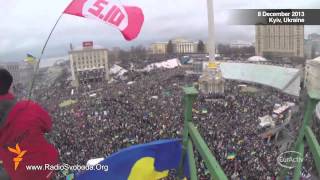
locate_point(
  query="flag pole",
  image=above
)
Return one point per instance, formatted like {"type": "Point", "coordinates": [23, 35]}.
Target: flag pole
{"type": "Point", "coordinates": [40, 57]}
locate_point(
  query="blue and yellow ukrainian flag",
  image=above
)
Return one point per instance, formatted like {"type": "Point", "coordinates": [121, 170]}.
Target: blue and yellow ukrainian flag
{"type": "Point", "coordinates": [30, 59]}
{"type": "Point", "coordinates": [150, 161]}
{"type": "Point", "coordinates": [231, 155]}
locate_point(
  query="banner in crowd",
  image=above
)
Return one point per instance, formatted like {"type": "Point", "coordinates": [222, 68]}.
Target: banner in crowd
{"type": "Point", "coordinates": [231, 155]}
{"type": "Point", "coordinates": [67, 103]}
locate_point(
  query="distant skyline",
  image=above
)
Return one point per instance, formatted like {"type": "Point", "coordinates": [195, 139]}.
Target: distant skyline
{"type": "Point", "coordinates": [26, 24]}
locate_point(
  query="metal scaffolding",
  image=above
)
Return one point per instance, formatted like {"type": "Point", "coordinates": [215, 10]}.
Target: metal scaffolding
{"type": "Point", "coordinates": [192, 140]}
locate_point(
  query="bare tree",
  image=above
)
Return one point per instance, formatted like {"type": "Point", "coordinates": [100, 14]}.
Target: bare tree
{"type": "Point", "coordinates": [170, 48]}
{"type": "Point", "coordinates": [200, 47]}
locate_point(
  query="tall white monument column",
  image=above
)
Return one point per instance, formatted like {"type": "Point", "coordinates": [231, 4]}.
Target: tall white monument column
{"type": "Point", "coordinates": [211, 44]}
{"type": "Point", "coordinates": [211, 81]}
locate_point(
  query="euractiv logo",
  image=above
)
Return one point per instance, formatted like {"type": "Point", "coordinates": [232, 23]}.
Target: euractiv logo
{"type": "Point", "coordinates": [289, 159]}
{"type": "Point", "coordinates": [19, 157]}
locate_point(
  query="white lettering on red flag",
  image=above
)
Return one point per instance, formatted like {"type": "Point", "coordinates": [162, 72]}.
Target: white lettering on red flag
{"type": "Point", "coordinates": [127, 19]}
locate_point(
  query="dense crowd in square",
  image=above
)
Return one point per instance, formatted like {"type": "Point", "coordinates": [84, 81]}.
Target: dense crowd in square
{"type": "Point", "coordinates": [150, 107]}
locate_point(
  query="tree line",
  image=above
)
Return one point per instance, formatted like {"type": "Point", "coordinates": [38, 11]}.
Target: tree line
{"type": "Point", "coordinates": [140, 52]}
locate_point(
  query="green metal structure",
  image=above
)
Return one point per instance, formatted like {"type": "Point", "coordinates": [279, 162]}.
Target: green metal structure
{"type": "Point", "coordinates": [192, 137]}
{"type": "Point", "coordinates": [305, 137]}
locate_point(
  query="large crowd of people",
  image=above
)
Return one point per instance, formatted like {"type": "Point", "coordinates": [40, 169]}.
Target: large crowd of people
{"type": "Point", "coordinates": [147, 106]}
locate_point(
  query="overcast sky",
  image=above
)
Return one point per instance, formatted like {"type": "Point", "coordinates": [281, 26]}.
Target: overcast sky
{"type": "Point", "coordinates": [25, 24]}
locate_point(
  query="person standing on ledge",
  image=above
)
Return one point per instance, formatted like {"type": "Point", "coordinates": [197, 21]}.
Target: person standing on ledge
{"type": "Point", "coordinates": [22, 142]}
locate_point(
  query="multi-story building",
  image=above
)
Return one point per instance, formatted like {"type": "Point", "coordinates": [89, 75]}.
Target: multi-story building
{"type": "Point", "coordinates": [22, 72]}
{"type": "Point", "coordinates": [89, 64]}
{"type": "Point", "coordinates": [240, 44]}
{"type": "Point", "coordinates": [159, 48]}
{"type": "Point", "coordinates": [312, 46]}
{"type": "Point", "coordinates": [182, 46]}
{"type": "Point", "coordinates": [280, 40]}
{"type": "Point", "coordinates": [14, 69]}
{"type": "Point", "coordinates": [26, 72]}
{"type": "Point", "coordinates": [314, 37]}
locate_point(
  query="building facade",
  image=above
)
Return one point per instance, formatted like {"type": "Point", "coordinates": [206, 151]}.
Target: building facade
{"type": "Point", "coordinates": [312, 76]}
{"type": "Point", "coordinates": [314, 37]}
{"type": "Point", "coordinates": [27, 71]}
{"type": "Point", "coordinates": [159, 48]}
{"type": "Point", "coordinates": [89, 65]}
{"type": "Point", "coordinates": [280, 40]}
{"type": "Point", "coordinates": [14, 69]}
{"type": "Point", "coordinates": [183, 46]}
{"type": "Point", "coordinates": [180, 46]}
{"type": "Point", "coordinates": [312, 46]}
{"type": "Point", "coordinates": [22, 72]}
{"type": "Point", "coordinates": [240, 44]}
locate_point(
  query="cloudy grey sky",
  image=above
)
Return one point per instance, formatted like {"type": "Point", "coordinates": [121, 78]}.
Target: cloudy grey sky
{"type": "Point", "coordinates": [25, 24]}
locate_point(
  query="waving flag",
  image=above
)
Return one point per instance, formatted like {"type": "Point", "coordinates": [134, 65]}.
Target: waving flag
{"type": "Point", "coordinates": [231, 156]}
{"type": "Point", "coordinates": [150, 161]}
{"type": "Point", "coordinates": [127, 19]}
{"type": "Point", "coordinates": [30, 59]}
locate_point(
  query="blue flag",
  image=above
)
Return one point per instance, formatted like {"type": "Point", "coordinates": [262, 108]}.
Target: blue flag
{"type": "Point", "coordinates": [140, 162]}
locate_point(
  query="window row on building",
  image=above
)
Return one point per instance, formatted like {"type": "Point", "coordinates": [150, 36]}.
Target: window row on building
{"type": "Point", "coordinates": [277, 40]}
{"type": "Point", "coordinates": [180, 46]}
{"type": "Point", "coordinates": [89, 65]}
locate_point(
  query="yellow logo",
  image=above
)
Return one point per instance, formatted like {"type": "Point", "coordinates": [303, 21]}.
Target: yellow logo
{"type": "Point", "coordinates": [144, 169]}
{"type": "Point", "coordinates": [19, 153]}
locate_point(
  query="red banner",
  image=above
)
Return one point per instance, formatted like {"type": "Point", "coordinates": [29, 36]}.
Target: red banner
{"type": "Point", "coordinates": [127, 19]}
{"type": "Point", "coordinates": [87, 44]}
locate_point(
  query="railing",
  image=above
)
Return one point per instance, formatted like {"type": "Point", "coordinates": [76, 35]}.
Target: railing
{"type": "Point", "coordinates": [191, 136]}
{"type": "Point", "coordinates": [306, 136]}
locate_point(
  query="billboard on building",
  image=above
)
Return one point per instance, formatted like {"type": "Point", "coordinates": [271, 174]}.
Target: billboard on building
{"type": "Point", "coordinates": [87, 44]}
